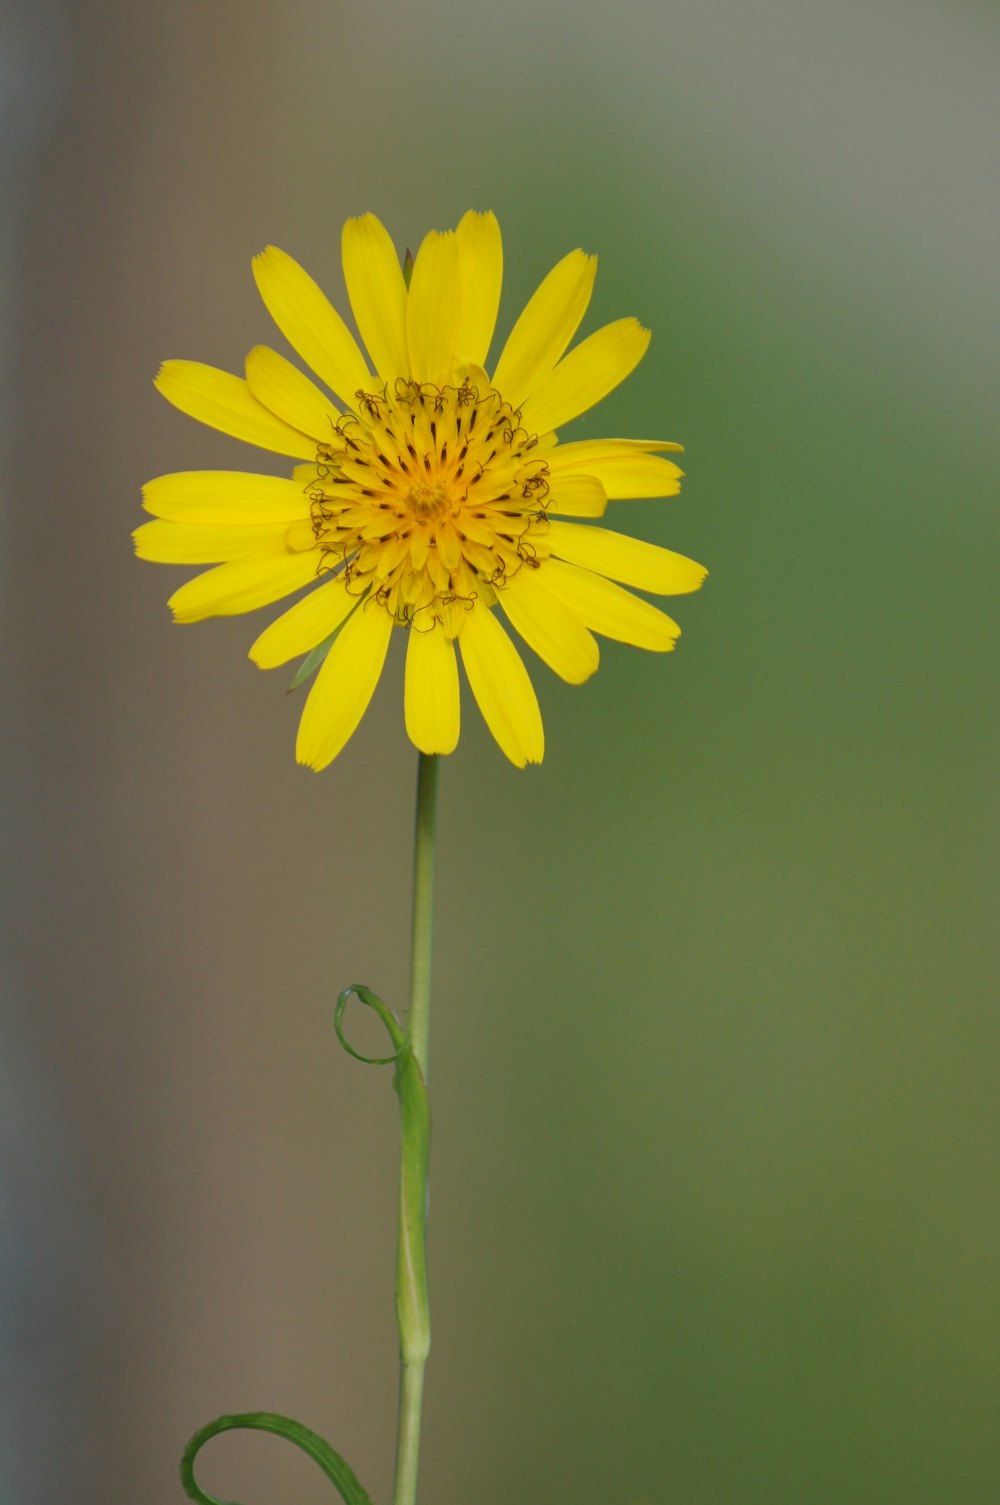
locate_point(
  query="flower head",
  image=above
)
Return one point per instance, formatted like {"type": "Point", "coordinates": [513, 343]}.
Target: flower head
{"type": "Point", "coordinates": [429, 493]}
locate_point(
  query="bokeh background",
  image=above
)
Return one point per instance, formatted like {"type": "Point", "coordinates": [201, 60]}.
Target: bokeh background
{"type": "Point", "coordinates": [715, 1035]}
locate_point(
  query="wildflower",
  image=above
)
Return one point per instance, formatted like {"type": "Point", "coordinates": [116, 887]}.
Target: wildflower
{"type": "Point", "coordinates": [428, 494]}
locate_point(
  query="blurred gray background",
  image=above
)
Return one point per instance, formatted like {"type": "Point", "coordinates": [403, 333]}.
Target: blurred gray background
{"type": "Point", "coordinates": [715, 1034]}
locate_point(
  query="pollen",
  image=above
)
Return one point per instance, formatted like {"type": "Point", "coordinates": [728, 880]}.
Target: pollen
{"type": "Point", "coordinates": [430, 498]}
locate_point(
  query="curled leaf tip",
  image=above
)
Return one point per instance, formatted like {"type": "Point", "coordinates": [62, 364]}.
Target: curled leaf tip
{"type": "Point", "coordinates": [393, 1027]}
{"type": "Point", "coordinates": [340, 1474]}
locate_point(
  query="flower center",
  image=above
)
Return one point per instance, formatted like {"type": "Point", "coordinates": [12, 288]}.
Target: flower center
{"type": "Point", "coordinates": [426, 501]}
{"type": "Point", "coordinates": [430, 498]}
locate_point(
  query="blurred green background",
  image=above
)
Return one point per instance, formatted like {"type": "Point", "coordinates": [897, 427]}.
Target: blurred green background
{"type": "Point", "coordinates": [715, 1036]}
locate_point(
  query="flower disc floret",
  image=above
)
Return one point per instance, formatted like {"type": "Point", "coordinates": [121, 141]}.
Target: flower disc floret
{"type": "Point", "coordinates": [431, 498]}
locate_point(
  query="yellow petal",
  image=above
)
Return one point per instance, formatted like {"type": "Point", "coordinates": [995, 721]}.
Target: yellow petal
{"type": "Point", "coordinates": [169, 542]}
{"type": "Point", "coordinates": [609, 610]}
{"type": "Point", "coordinates": [225, 496]}
{"type": "Point", "coordinates": [548, 323]}
{"type": "Point", "coordinates": [480, 261]}
{"type": "Point", "coordinates": [547, 625]}
{"type": "Point", "coordinates": [434, 306]}
{"type": "Point", "coordinates": [300, 535]}
{"type": "Point", "coordinates": [626, 468]}
{"type": "Point", "coordinates": [377, 292]}
{"type": "Point", "coordinates": [630, 560]}
{"type": "Point", "coordinates": [242, 585]}
{"type": "Point", "coordinates": [593, 369]}
{"type": "Point", "coordinates": [310, 323]}
{"type": "Point", "coordinates": [582, 452]}
{"type": "Point", "coordinates": [284, 391]}
{"type": "Point", "coordinates": [344, 686]}
{"type": "Point", "coordinates": [576, 495]}
{"type": "Point", "coordinates": [501, 686]}
{"type": "Point", "coordinates": [225, 402]}
{"type": "Point", "coordinates": [431, 691]}
{"type": "Point", "coordinates": [303, 625]}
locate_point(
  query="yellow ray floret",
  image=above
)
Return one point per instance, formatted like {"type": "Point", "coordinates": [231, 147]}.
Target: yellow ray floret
{"type": "Point", "coordinates": [431, 693]}
{"type": "Point", "coordinates": [480, 265]}
{"type": "Point", "coordinates": [433, 497]}
{"type": "Point", "coordinates": [633, 561]}
{"type": "Point", "coordinates": [545, 328]}
{"type": "Point", "coordinates": [302, 626]}
{"type": "Point", "coordinates": [589, 372]}
{"type": "Point", "coordinates": [280, 387]}
{"type": "Point", "coordinates": [309, 322]}
{"type": "Point", "coordinates": [225, 402]}
{"type": "Point", "coordinates": [434, 307]}
{"type": "Point", "coordinates": [344, 686]}
{"type": "Point", "coordinates": [624, 467]}
{"type": "Point", "coordinates": [502, 688]}
{"type": "Point", "coordinates": [377, 292]}
{"type": "Point", "coordinates": [224, 496]}
{"type": "Point", "coordinates": [555, 632]}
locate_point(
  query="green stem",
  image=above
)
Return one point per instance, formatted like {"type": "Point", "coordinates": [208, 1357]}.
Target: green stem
{"type": "Point", "coordinates": [412, 1310]}
{"type": "Point", "coordinates": [423, 906]}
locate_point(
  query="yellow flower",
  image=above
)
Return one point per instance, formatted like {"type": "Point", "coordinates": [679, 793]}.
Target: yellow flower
{"type": "Point", "coordinates": [428, 495]}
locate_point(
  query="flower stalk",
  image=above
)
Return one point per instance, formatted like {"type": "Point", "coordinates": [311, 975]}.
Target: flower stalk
{"type": "Point", "coordinates": [412, 1308]}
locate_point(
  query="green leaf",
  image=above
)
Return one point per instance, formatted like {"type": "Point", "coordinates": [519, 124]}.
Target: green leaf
{"type": "Point", "coordinates": [388, 1018]}
{"type": "Point", "coordinates": [312, 661]}
{"type": "Point", "coordinates": [337, 1471]}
